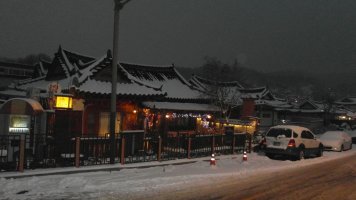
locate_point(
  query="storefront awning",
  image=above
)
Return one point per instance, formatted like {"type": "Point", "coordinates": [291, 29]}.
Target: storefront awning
{"type": "Point", "coordinates": [21, 106]}
{"type": "Point", "coordinates": [181, 106]}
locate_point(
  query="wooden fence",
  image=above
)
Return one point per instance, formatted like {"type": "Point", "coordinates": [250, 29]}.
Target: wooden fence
{"type": "Point", "coordinates": [19, 152]}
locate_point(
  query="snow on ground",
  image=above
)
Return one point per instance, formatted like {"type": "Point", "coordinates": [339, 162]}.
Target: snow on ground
{"type": "Point", "coordinates": [130, 181]}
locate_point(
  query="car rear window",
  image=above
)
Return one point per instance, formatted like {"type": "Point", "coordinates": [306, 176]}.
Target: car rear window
{"type": "Point", "coordinates": [275, 132]}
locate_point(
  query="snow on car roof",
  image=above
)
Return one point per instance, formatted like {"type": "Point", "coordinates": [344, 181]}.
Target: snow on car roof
{"type": "Point", "coordinates": [295, 128]}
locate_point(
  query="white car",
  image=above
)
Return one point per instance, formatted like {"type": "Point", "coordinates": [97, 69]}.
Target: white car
{"type": "Point", "coordinates": [336, 141]}
{"type": "Point", "coordinates": [295, 141]}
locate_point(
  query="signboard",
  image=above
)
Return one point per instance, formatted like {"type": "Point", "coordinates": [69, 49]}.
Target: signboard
{"type": "Point", "coordinates": [19, 124]}
{"type": "Point", "coordinates": [63, 102]}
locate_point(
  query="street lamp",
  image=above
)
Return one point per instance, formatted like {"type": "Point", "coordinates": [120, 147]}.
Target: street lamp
{"type": "Point", "coordinates": [119, 4]}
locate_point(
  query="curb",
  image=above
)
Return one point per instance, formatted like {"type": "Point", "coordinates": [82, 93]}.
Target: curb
{"type": "Point", "coordinates": [83, 170]}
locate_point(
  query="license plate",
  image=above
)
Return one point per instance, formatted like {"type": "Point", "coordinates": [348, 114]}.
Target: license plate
{"type": "Point", "coordinates": [276, 143]}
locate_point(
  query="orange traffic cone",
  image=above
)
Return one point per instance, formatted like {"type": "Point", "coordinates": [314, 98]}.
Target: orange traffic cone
{"type": "Point", "coordinates": [212, 160]}
{"type": "Point", "coordinates": [244, 157]}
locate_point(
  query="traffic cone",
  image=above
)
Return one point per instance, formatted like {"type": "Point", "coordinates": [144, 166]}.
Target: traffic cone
{"type": "Point", "coordinates": [212, 160]}
{"type": "Point", "coordinates": [244, 157]}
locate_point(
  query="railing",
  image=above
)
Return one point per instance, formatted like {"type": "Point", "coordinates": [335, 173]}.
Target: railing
{"type": "Point", "coordinates": [10, 148]}
{"type": "Point", "coordinates": [133, 147]}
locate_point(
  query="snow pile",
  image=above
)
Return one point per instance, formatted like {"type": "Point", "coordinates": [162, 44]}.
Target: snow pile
{"type": "Point", "coordinates": [133, 182]}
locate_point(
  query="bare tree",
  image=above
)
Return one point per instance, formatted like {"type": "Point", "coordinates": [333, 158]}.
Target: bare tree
{"type": "Point", "coordinates": [219, 87]}
{"type": "Point", "coordinates": [226, 98]}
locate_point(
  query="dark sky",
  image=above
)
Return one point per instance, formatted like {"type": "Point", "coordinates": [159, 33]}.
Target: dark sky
{"type": "Point", "coordinates": [262, 34]}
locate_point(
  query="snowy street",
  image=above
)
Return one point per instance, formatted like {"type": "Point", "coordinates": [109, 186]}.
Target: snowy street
{"type": "Point", "coordinates": [137, 183]}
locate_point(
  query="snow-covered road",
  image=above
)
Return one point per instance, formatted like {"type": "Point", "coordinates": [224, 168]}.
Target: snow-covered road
{"type": "Point", "coordinates": [131, 183]}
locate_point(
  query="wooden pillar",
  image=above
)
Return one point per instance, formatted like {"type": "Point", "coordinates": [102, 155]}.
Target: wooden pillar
{"type": "Point", "coordinates": [22, 154]}
{"type": "Point", "coordinates": [122, 158]}
{"type": "Point", "coordinates": [189, 146]}
{"type": "Point", "coordinates": [77, 152]}
{"type": "Point", "coordinates": [159, 148]}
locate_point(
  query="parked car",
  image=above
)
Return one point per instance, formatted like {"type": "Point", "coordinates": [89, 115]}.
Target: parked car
{"type": "Point", "coordinates": [336, 141]}
{"type": "Point", "coordinates": [295, 141]}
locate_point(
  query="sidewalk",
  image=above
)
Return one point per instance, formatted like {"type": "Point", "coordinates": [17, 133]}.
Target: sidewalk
{"type": "Point", "coordinates": [94, 168]}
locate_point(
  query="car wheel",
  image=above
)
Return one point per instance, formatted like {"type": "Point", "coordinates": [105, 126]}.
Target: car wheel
{"type": "Point", "coordinates": [321, 151]}
{"type": "Point", "coordinates": [341, 148]}
{"type": "Point", "coordinates": [350, 146]}
{"type": "Point", "coordinates": [301, 155]}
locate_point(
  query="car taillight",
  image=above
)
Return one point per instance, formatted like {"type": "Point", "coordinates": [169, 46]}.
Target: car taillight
{"type": "Point", "coordinates": [291, 143]}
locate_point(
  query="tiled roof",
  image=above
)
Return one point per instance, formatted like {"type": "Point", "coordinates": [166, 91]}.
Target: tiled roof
{"type": "Point", "coordinates": [181, 106]}
{"type": "Point", "coordinates": [203, 84]}
{"type": "Point", "coordinates": [165, 77]}
{"type": "Point", "coordinates": [104, 88]}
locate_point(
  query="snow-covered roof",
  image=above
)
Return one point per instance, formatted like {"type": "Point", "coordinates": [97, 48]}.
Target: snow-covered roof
{"type": "Point", "coordinates": [88, 79]}
{"type": "Point", "coordinates": [104, 87]}
{"type": "Point", "coordinates": [41, 69]}
{"type": "Point", "coordinates": [203, 84]}
{"type": "Point", "coordinates": [43, 84]}
{"type": "Point", "coordinates": [66, 64]}
{"type": "Point", "coordinates": [307, 106]}
{"type": "Point", "coordinates": [181, 106]}
{"type": "Point", "coordinates": [257, 93]}
{"type": "Point", "coordinates": [165, 77]}
{"type": "Point", "coordinates": [346, 101]}
{"type": "Point", "coordinates": [274, 103]}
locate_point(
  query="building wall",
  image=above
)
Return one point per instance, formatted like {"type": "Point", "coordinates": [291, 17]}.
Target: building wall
{"type": "Point", "coordinates": [96, 118]}
{"type": "Point", "coordinates": [268, 118]}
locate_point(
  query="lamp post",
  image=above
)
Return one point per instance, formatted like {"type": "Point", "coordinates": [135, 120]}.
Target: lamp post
{"type": "Point", "coordinates": [119, 4]}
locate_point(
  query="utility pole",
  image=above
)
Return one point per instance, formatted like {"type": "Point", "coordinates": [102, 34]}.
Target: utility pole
{"type": "Point", "coordinates": [119, 4]}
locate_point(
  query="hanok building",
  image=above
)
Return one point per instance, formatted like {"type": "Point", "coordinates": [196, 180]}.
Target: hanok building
{"type": "Point", "coordinates": [246, 103]}
{"type": "Point", "coordinates": [183, 109]}
{"type": "Point", "coordinates": [307, 113]}
{"type": "Point", "coordinates": [12, 72]}
{"type": "Point", "coordinates": [48, 81]}
{"type": "Point", "coordinates": [267, 106]}
{"type": "Point", "coordinates": [347, 102]}
{"type": "Point", "coordinates": [76, 89]}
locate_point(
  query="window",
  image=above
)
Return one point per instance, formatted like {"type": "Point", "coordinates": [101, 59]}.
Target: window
{"type": "Point", "coordinates": [307, 135]}
{"type": "Point", "coordinates": [295, 135]}
{"type": "Point", "coordinates": [104, 126]}
{"type": "Point", "coordinates": [275, 132]}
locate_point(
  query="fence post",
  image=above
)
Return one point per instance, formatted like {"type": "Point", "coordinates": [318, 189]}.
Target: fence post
{"type": "Point", "coordinates": [189, 146]}
{"type": "Point", "coordinates": [213, 144]}
{"type": "Point", "coordinates": [249, 142]}
{"type": "Point", "coordinates": [122, 158]}
{"type": "Point", "coordinates": [159, 148]}
{"type": "Point", "coordinates": [77, 152]}
{"type": "Point", "coordinates": [233, 143]}
{"type": "Point", "coordinates": [22, 154]}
